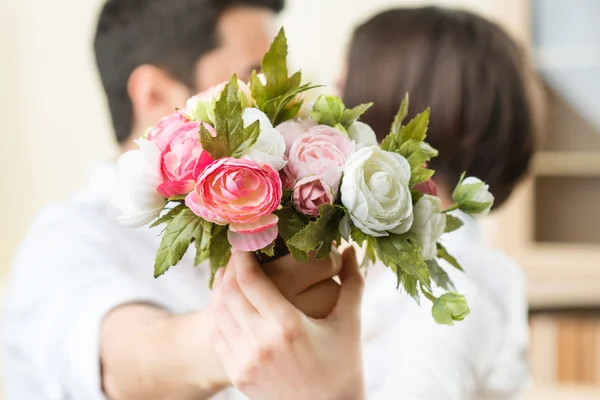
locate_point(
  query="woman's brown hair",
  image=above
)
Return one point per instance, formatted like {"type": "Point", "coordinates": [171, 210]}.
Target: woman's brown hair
{"type": "Point", "coordinates": [471, 74]}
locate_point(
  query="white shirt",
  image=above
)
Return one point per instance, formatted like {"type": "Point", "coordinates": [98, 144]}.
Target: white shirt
{"type": "Point", "coordinates": [78, 262]}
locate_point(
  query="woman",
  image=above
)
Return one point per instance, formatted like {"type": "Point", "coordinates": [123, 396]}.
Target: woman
{"type": "Point", "coordinates": [475, 79]}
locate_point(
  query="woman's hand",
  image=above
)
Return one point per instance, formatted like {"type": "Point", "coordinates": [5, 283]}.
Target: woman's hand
{"type": "Point", "coordinates": [308, 286]}
{"type": "Point", "coordinates": [272, 351]}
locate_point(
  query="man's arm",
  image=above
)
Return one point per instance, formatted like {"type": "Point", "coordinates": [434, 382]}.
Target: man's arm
{"type": "Point", "coordinates": [148, 353]}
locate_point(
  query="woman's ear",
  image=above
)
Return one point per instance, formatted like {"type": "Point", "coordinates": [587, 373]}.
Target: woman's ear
{"type": "Point", "coordinates": [154, 94]}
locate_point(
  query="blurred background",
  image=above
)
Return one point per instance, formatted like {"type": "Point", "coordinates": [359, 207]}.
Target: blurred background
{"type": "Point", "coordinates": [551, 226]}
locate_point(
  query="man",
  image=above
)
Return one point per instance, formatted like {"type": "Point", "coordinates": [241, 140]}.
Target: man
{"type": "Point", "coordinates": [85, 319]}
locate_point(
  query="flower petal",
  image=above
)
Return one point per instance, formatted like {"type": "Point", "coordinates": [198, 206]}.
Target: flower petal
{"type": "Point", "coordinates": [252, 241]}
{"type": "Point", "coordinates": [263, 223]}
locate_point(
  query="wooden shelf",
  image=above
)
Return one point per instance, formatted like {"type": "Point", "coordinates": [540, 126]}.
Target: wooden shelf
{"type": "Point", "coordinates": [563, 392]}
{"type": "Point", "coordinates": [556, 163]}
{"type": "Point", "coordinates": [562, 276]}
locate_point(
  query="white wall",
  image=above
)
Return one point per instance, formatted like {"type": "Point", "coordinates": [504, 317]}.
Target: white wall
{"type": "Point", "coordinates": [53, 119]}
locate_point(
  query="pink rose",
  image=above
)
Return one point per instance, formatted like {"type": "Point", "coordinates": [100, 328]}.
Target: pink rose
{"type": "Point", "coordinates": [182, 161]}
{"type": "Point", "coordinates": [170, 126]}
{"type": "Point", "coordinates": [292, 130]}
{"type": "Point", "coordinates": [322, 151]}
{"type": "Point", "coordinates": [427, 187]}
{"type": "Point", "coordinates": [244, 195]}
{"type": "Point", "coordinates": [309, 194]}
{"type": "Point", "coordinates": [288, 180]}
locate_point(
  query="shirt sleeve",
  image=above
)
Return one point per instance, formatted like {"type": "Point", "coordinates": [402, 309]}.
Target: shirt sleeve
{"type": "Point", "coordinates": [63, 283]}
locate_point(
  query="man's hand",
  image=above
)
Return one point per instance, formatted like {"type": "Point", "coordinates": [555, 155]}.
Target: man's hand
{"type": "Point", "coordinates": [271, 350]}
{"type": "Point", "coordinates": [147, 353]}
{"type": "Point", "coordinates": [308, 286]}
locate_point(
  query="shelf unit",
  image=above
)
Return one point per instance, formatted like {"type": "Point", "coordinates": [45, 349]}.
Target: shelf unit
{"type": "Point", "coordinates": [567, 163]}
{"type": "Point", "coordinates": [563, 392]}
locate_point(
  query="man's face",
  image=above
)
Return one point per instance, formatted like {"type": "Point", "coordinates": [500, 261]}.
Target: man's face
{"type": "Point", "coordinates": [244, 34]}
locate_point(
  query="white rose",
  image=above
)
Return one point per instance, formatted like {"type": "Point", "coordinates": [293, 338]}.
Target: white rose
{"type": "Point", "coordinates": [270, 145]}
{"type": "Point", "coordinates": [473, 196]}
{"type": "Point", "coordinates": [362, 134]}
{"type": "Point", "coordinates": [137, 177]}
{"type": "Point", "coordinates": [375, 192]}
{"type": "Point", "coordinates": [429, 224]}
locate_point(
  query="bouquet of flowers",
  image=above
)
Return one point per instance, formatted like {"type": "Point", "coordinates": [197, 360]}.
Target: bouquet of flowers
{"type": "Point", "coordinates": [253, 168]}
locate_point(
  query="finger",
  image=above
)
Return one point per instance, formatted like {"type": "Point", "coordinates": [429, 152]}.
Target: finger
{"type": "Point", "coordinates": [351, 291]}
{"type": "Point", "coordinates": [221, 346]}
{"type": "Point", "coordinates": [218, 278]}
{"type": "Point", "coordinates": [260, 290]}
{"type": "Point", "coordinates": [293, 277]}
{"type": "Point", "coordinates": [240, 308]}
{"type": "Point", "coordinates": [319, 300]}
{"type": "Point", "coordinates": [221, 315]}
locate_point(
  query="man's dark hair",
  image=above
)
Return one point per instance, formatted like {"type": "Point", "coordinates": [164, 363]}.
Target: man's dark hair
{"type": "Point", "coordinates": [172, 35]}
{"type": "Point", "coordinates": [471, 74]}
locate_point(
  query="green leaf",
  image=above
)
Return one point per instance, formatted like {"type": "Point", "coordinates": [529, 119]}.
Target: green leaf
{"type": "Point", "coordinates": [228, 119]}
{"type": "Point", "coordinates": [439, 276]}
{"type": "Point", "coordinates": [219, 250]}
{"type": "Point", "coordinates": [202, 239]}
{"type": "Point", "coordinates": [176, 239]}
{"type": "Point", "coordinates": [402, 112]}
{"type": "Point", "coordinates": [352, 115]}
{"type": "Point", "coordinates": [269, 250]}
{"type": "Point", "coordinates": [452, 223]}
{"type": "Point", "coordinates": [409, 284]}
{"type": "Point", "coordinates": [397, 252]}
{"type": "Point", "coordinates": [232, 139]}
{"type": "Point", "coordinates": [357, 235]}
{"type": "Point", "coordinates": [169, 215]}
{"type": "Point", "coordinates": [391, 142]}
{"type": "Point", "coordinates": [319, 235]}
{"type": "Point", "coordinates": [419, 175]}
{"type": "Point", "coordinates": [216, 147]}
{"type": "Point", "coordinates": [417, 153]}
{"type": "Point", "coordinates": [450, 307]}
{"type": "Point", "coordinates": [251, 133]}
{"type": "Point", "coordinates": [444, 255]}
{"type": "Point", "coordinates": [280, 89]}
{"type": "Point", "coordinates": [416, 196]}
{"type": "Point", "coordinates": [290, 223]}
{"type": "Point", "coordinates": [370, 256]}
{"type": "Point", "coordinates": [415, 130]}
{"type": "Point", "coordinates": [279, 108]}
{"type": "Point", "coordinates": [274, 67]}
{"type": "Point", "coordinates": [178, 198]}
{"type": "Point", "coordinates": [259, 92]}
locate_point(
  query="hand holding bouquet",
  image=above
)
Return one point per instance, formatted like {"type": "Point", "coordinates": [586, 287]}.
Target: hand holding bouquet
{"type": "Point", "coordinates": [251, 167]}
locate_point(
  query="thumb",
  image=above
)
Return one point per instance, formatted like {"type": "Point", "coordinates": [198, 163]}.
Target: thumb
{"type": "Point", "coordinates": [351, 291]}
